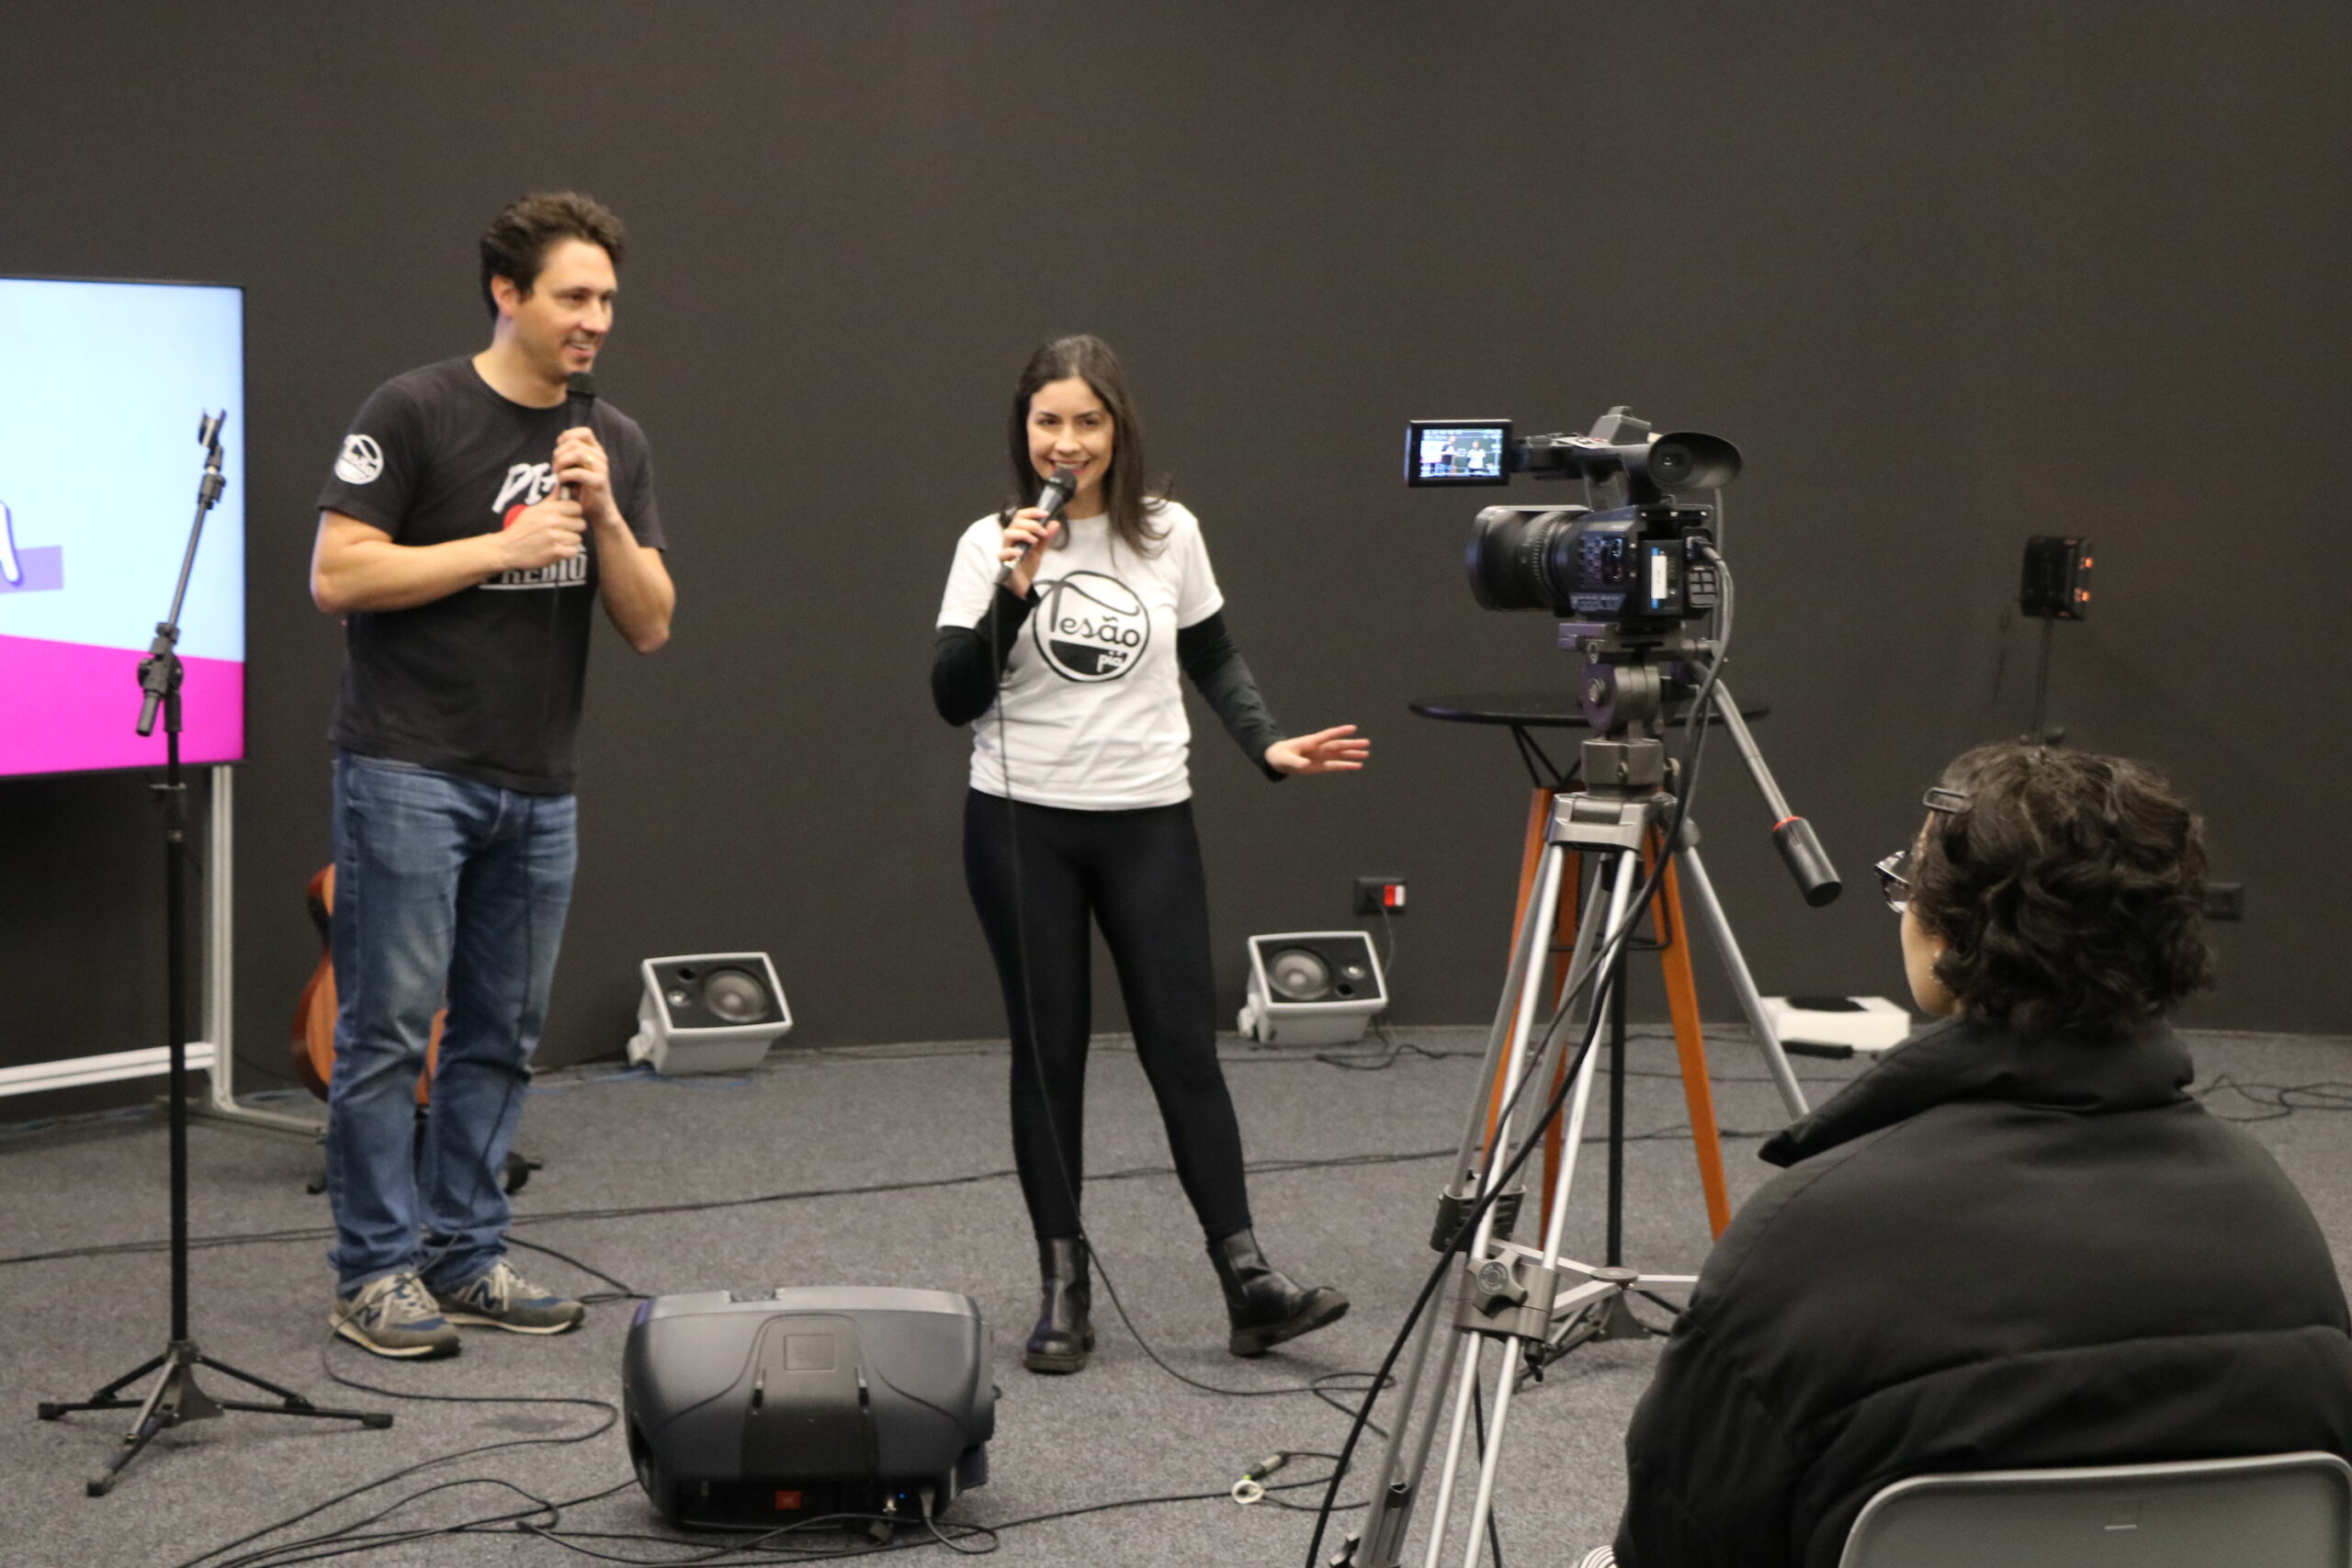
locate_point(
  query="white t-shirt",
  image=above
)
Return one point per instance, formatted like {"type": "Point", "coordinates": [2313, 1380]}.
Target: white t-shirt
{"type": "Point", "coordinates": [1092, 713]}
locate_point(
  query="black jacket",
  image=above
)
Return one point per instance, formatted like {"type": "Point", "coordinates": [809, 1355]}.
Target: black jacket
{"type": "Point", "coordinates": [1988, 1253]}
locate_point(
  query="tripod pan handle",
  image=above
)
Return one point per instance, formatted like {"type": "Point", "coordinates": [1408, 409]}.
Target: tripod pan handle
{"type": "Point", "coordinates": [1801, 849]}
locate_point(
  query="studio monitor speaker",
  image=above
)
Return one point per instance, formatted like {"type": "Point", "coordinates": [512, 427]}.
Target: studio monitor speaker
{"type": "Point", "coordinates": [708, 1012]}
{"type": "Point", "coordinates": [1312, 989]}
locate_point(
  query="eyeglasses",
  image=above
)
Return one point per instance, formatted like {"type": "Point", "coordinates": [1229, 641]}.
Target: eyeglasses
{"type": "Point", "coordinates": [1895, 871]}
{"type": "Point", "coordinates": [1894, 880]}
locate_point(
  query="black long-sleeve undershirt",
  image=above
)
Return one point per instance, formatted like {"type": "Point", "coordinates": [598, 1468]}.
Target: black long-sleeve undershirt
{"type": "Point", "coordinates": [1206, 653]}
{"type": "Point", "coordinates": [967, 662]}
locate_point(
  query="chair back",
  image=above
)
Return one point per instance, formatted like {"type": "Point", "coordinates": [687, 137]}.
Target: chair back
{"type": "Point", "coordinates": [2275, 1511]}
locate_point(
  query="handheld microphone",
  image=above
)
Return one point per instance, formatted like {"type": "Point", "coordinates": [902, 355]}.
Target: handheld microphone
{"type": "Point", "coordinates": [579, 409]}
{"type": "Point", "coordinates": [1051, 498]}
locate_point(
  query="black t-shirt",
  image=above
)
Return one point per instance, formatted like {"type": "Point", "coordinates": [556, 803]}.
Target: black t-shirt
{"type": "Point", "coordinates": [483, 683]}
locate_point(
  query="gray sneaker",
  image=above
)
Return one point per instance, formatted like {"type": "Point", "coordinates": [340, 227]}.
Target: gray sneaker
{"type": "Point", "coordinates": [503, 1299]}
{"type": "Point", "coordinates": [393, 1316]}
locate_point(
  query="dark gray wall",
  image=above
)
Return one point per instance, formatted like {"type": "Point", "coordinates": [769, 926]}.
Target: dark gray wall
{"type": "Point", "coordinates": [1949, 278]}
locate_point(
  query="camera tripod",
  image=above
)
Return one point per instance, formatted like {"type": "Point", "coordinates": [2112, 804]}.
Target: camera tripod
{"type": "Point", "coordinates": [1533, 1303]}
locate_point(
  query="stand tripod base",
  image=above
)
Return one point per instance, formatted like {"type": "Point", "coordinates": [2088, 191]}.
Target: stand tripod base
{"type": "Point", "coordinates": [178, 1397]}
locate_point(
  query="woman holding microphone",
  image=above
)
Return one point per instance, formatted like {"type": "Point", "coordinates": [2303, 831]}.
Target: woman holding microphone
{"type": "Point", "coordinates": [1060, 644]}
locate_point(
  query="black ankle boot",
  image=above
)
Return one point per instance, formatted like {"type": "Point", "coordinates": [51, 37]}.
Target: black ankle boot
{"type": "Point", "coordinates": [1063, 1336]}
{"type": "Point", "coordinates": [1266, 1305]}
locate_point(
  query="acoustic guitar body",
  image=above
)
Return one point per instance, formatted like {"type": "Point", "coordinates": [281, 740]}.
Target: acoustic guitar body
{"type": "Point", "coordinates": [313, 1035]}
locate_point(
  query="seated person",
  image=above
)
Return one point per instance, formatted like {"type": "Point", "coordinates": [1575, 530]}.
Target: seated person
{"type": "Point", "coordinates": [2015, 1242]}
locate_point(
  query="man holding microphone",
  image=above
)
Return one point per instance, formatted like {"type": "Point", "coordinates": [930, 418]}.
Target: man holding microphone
{"type": "Point", "coordinates": [477, 506]}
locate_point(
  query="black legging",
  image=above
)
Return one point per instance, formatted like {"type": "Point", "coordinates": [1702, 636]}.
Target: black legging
{"type": "Point", "coordinates": [1138, 875]}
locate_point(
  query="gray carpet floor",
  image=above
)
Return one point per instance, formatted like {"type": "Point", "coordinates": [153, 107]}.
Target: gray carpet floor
{"type": "Point", "coordinates": [750, 1147]}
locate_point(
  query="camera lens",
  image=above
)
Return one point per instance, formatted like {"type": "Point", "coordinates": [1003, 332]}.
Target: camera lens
{"type": "Point", "coordinates": [1521, 560]}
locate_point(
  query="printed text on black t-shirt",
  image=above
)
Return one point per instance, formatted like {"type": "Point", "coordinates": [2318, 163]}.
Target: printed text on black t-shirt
{"type": "Point", "coordinates": [534, 482]}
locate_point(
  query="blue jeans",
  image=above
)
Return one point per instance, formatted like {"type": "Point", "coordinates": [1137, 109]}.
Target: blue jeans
{"type": "Point", "coordinates": [446, 891]}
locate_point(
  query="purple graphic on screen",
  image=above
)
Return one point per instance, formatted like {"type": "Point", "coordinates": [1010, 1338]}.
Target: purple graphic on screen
{"type": "Point", "coordinates": [27, 572]}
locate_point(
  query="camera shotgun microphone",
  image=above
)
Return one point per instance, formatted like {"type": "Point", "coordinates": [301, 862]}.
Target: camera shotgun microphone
{"type": "Point", "coordinates": [1051, 498]}
{"type": "Point", "coordinates": [579, 409]}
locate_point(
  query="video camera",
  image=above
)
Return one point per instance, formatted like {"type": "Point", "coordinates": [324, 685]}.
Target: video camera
{"type": "Point", "coordinates": [1630, 558]}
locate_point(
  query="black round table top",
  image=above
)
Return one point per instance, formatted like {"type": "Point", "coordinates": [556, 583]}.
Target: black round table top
{"type": "Point", "coordinates": [1553, 709]}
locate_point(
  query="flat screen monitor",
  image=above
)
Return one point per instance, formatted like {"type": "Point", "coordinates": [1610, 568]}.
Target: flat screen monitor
{"type": "Point", "coordinates": [102, 387]}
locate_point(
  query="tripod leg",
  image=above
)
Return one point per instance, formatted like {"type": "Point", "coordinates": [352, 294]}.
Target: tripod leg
{"type": "Point", "coordinates": [1711, 911]}
{"type": "Point", "coordinates": [174, 1398]}
{"type": "Point", "coordinates": [1484, 1504]}
{"type": "Point", "coordinates": [1390, 1511]}
{"type": "Point", "coordinates": [1507, 1036]}
{"type": "Point", "coordinates": [1523, 988]}
{"type": "Point", "coordinates": [1690, 1050]}
{"type": "Point", "coordinates": [105, 1398]}
{"type": "Point", "coordinates": [134, 1443]}
{"type": "Point", "coordinates": [1458, 1429]}
{"type": "Point", "coordinates": [288, 1395]}
{"type": "Point", "coordinates": [1477, 1164]}
{"type": "Point", "coordinates": [291, 1403]}
{"type": "Point", "coordinates": [1564, 1175]}
{"type": "Point", "coordinates": [1595, 940]}
{"type": "Point", "coordinates": [1533, 861]}
{"type": "Point", "coordinates": [1580, 954]}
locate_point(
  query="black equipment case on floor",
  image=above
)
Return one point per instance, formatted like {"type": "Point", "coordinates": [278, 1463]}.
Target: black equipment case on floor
{"type": "Point", "coordinates": [822, 1399]}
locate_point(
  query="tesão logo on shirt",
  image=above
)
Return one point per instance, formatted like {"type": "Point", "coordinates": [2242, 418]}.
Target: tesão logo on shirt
{"type": "Point", "coordinates": [362, 461]}
{"type": "Point", "coordinates": [1091, 626]}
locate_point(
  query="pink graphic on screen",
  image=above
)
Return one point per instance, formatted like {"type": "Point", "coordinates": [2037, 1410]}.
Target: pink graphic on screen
{"type": "Point", "coordinates": [71, 706]}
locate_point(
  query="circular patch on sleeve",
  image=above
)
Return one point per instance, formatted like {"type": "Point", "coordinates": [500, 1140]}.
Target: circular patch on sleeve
{"type": "Point", "coordinates": [362, 460]}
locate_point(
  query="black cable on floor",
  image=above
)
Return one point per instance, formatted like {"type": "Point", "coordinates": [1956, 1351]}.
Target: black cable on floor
{"type": "Point", "coordinates": [765, 1545]}
{"type": "Point", "coordinates": [271, 1555]}
{"type": "Point", "coordinates": [794, 1195]}
{"type": "Point", "coordinates": [2276, 1101]}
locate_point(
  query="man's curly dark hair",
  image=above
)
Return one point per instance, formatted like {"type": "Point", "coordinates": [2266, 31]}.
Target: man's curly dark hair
{"type": "Point", "coordinates": [2069, 889]}
{"type": "Point", "coordinates": [515, 244]}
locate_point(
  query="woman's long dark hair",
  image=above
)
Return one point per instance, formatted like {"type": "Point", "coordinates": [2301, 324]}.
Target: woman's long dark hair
{"type": "Point", "coordinates": [1131, 497]}
{"type": "Point", "coordinates": [2069, 889]}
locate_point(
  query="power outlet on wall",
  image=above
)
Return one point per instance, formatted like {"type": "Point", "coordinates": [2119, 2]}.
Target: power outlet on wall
{"type": "Point", "coordinates": [2225, 900]}
{"type": "Point", "coordinates": [1380, 895]}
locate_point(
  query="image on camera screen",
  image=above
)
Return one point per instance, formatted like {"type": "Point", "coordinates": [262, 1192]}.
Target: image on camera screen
{"type": "Point", "coordinates": [1457, 452]}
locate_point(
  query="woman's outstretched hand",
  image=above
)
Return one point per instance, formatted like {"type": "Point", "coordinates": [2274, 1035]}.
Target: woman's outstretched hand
{"type": "Point", "coordinates": [1338, 749]}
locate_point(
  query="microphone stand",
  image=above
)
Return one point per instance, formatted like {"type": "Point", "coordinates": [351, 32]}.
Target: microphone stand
{"type": "Point", "coordinates": [177, 1396]}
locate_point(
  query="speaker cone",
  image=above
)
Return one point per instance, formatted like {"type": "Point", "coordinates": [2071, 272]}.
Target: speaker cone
{"type": "Point", "coordinates": [1298, 975]}
{"type": "Point", "coordinates": [735, 996]}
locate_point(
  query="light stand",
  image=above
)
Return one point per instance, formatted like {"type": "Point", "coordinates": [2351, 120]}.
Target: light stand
{"type": "Point", "coordinates": [177, 1396]}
